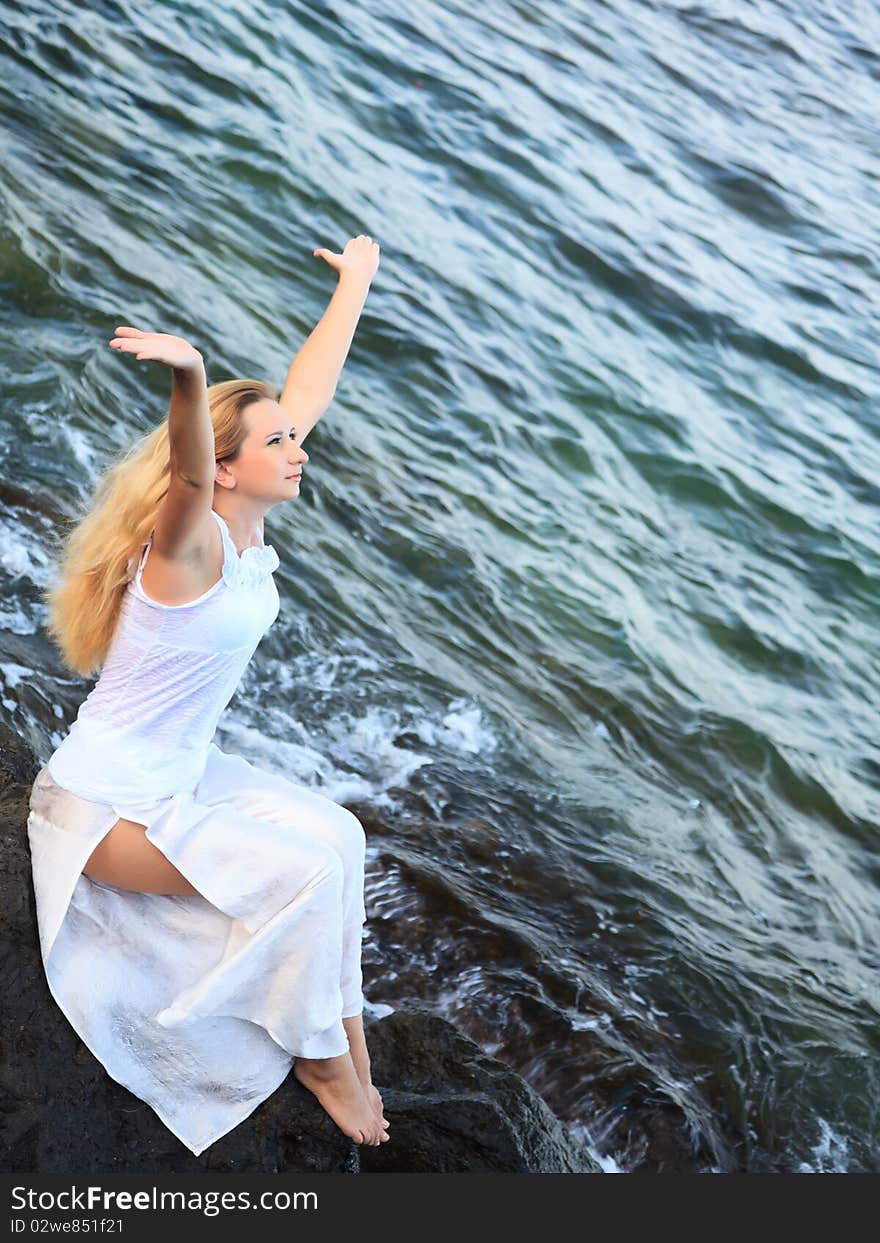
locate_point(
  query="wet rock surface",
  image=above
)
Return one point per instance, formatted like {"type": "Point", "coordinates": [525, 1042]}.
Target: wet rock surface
{"type": "Point", "coordinates": [452, 1108]}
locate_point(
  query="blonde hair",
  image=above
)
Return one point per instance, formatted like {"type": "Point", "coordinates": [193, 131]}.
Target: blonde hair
{"type": "Point", "coordinates": [102, 546]}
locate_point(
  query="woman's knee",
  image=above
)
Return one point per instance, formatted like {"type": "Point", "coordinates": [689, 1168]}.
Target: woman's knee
{"type": "Point", "coordinates": [354, 839]}
{"type": "Point", "coordinates": [326, 865]}
{"type": "Point", "coordinates": [335, 826]}
{"type": "Point", "coordinates": [346, 836]}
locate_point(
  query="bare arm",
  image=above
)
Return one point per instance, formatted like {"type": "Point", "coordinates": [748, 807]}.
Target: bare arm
{"type": "Point", "coordinates": [314, 373]}
{"type": "Point", "coordinates": [190, 431]}
{"type": "Point", "coordinates": [317, 366]}
{"type": "Point", "coordinates": [182, 523]}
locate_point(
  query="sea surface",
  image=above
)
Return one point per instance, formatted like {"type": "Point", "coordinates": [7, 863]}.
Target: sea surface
{"type": "Point", "coordinates": [580, 596]}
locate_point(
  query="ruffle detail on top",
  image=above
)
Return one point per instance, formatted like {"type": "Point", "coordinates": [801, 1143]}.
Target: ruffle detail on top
{"type": "Point", "coordinates": [245, 570]}
{"type": "Point", "coordinates": [249, 568]}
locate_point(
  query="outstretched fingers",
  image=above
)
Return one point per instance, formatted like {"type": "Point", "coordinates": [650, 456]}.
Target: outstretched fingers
{"type": "Point", "coordinates": [159, 347]}
{"type": "Point", "coordinates": [127, 338]}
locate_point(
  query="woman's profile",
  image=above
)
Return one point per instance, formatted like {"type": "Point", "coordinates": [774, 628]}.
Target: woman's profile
{"type": "Point", "coordinates": [200, 918]}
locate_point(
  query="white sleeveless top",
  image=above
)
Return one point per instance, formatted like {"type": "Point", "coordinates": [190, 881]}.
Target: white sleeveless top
{"type": "Point", "coordinates": [144, 730]}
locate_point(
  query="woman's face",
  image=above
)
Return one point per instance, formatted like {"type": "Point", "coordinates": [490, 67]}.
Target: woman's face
{"type": "Point", "coordinates": [270, 460]}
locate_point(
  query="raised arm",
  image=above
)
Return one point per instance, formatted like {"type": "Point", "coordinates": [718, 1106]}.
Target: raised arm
{"type": "Point", "coordinates": [182, 520]}
{"type": "Point", "coordinates": [190, 432]}
{"type": "Point", "coordinates": [313, 375]}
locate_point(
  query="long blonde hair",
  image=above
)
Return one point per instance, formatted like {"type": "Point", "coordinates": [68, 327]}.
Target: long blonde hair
{"type": "Point", "coordinates": [102, 546]}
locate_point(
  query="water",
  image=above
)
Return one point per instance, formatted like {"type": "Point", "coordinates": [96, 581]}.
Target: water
{"type": "Point", "coordinates": [579, 600]}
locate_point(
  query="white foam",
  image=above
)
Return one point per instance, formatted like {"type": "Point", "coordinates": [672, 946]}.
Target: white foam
{"type": "Point", "coordinates": [14, 674]}
{"type": "Point", "coordinates": [830, 1153]}
{"type": "Point", "coordinates": [15, 621]}
{"type": "Point", "coordinates": [581, 1135]}
{"type": "Point", "coordinates": [461, 730]}
{"type": "Point", "coordinates": [301, 762]}
{"type": "Point", "coordinates": [15, 552]}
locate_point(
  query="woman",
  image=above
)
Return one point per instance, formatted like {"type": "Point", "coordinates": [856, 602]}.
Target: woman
{"type": "Point", "coordinates": [200, 919]}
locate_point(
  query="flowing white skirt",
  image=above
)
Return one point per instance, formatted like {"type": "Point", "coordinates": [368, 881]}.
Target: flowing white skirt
{"type": "Point", "coordinates": [198, 1003]}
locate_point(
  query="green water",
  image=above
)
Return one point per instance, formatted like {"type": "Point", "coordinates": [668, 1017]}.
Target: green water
{"type": "Point", "coordinates": [579, 599]}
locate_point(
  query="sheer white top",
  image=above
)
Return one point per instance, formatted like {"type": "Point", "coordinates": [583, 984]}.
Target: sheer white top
{"type": "Point", "coordinates": [144, 730]}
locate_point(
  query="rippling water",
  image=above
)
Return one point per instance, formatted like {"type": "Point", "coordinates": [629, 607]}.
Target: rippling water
{"type": "Point", "coordinates": [579, 600]}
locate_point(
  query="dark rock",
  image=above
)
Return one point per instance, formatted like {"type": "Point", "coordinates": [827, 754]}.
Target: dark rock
{"type": "Point", "coordinates": [453, 1109]}
{"type": "Point", "coordinates": [450, 1106]}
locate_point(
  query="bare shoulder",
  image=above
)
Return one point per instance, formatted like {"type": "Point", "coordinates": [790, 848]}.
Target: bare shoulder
{"type": "Point", "coordinates": [186, 557]}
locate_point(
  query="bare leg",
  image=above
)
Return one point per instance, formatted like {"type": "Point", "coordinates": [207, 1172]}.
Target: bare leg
{"type": "Point", "coordinates": [127, 859]}
{"type": "Point", "coordinates": [354, 1029]}
{"type": "Point", "coordinates": [334, 1081]}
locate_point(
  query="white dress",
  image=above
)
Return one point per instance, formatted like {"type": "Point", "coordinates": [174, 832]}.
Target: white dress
{"type": "Point", "coordinates": [198, 1003]}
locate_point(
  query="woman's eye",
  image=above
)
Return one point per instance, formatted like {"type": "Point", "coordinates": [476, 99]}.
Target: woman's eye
{"type": "Point", "coordinates": [277, 439]}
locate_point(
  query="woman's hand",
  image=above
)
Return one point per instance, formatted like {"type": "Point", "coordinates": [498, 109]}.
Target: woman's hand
{"type": "Point", "coordinates": [360, 257]}
{"type": "Point", "coordinates": [158, 347]}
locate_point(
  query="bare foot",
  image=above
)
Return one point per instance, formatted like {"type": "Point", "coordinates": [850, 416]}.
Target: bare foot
{"type": "Point", "coordinates": [334, 1081]}
{"type": "Point", "coordinates": [354, 1027]}
{"type": "Point", "coordinates": [372, 1094]}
